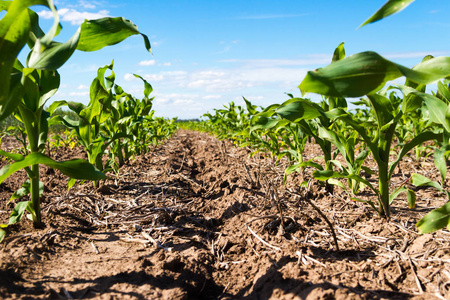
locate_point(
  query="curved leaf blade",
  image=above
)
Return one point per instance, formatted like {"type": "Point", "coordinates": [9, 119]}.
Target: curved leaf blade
{"type": "Point", "coordinates": [435, 219]}
{"type": "Point", "coordinates": [367, 72]}
{"type": "Point", "coordinates": [96, 34]}
{"type": "Point", "coordinates": [75, 168]}
{"type": "Point", "coordinates": [389, 8]}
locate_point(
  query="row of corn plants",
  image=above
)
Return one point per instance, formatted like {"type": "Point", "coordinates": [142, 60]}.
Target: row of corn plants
{"type": "Point", "coordinates": [389, 119]}
{"type": "Point", "coordinates": [27, 86]}
{"type": "Point", "coordinates": [114, 125]}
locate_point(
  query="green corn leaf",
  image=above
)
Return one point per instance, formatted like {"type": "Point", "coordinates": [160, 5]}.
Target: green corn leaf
{"type": "Point", "coordinates": [420, 180]}
{"type": "Point", "coordinates": [416, 141]}
{"type": "Point", "coordinates": [13, 156]}
{"type": "Point", "coordinates": [389, 8]}
{"type": "Point", "coordinates": [147, 86]}
{"type": "Point", "coordinates": [435, 219]}
{"type": "Point", "coordinates": [71, 183]}
{"type": "Point", "coordinates": [366, 202]}
{"type": "Point", "coordinates": [354, 76]}
{"type": "Point", "coordinates": [396, 192]}
{"type": "Point", "coordinates": [443, 91]}
{"type": "Point", "coordinates": [331, 136]}
{"type": "Point", "coordinates": [18, 211]}
{"type": "Point", "coordinates": [308, 163]}
{"type": "Point", "coordinates": [436, 108]}
{"type": "Point", "coordinates": [9, 103]}
{"type": "Point", "coordinates": [76, 168]}
{"type": "Point", "coordinates": [14, 33]}
{"type": "Point", "coordinates": [368, 170]}
{"type": "Point", "coordinates": [411, 199]}
{"type": "Point", "coordinates": [440, 161]}
{"type": "Point", "coordinates": [48, 82]}
{"type": "Point", "coordinates": [25, 190]}
{"type": "Point", "coordinates": [298, 109]}
{"type": "Point", "coordinates": [53, 55]}
{"type": "Point", "coordinates": [96, 34]}
{"type": "Point", "coordinates": [250, 108]}
{"type": "Point", "coordinates": [327, 174]}
{"type": "Point", "coordinates": [2, 234]}
{"type": "Point", "coordinates": [260, 122]}
{"type": "Point", "coordinates": [362, 156]}
{"type": "Point", "coordinates": [382, 106]}
{"type": "Point", "coordinates": [336, 183]}
{"type": "Point", "coordinates": [339, 53]}
{"type": "Point", "coordinates": [412, 84]}
{"type": "Point", "coordinates": [367, 72]}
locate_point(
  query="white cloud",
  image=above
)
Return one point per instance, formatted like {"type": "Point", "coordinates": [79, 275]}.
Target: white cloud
{"type": "Point", "coordinates": [161, 100]}
{"type": "Point", "coordinates": [176, 73]}
{"type": "Point", "coordinates": [151, 62]}
{"type": "Point", "coordinates": [238, 79]}
{"type": "Point", "coordinates": [129, 77]}
{"type": "Point", "coordinates": [183, 101]}
{"type": "Point", "coordinates": [217, 81]}
{"type": "Point", "coordinates": [149, 77]}
{"type": "Point", "coordinates": [209, 97]}
{"type": "Point", "coordinates": [166, 64]}
{"type": "Point", "coordinates": [154, 77]}
{"type": "Point", "coordinates": [74, 16]}
{"type": "Point", "coordinates": [82, 87]}
{"type": "Point", "coordinates": [87, 5]}
{"type": "Point", "coordinates": [86, 93]}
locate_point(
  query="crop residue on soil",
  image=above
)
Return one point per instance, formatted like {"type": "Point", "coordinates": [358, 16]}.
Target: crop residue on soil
{"type": "Point", "coordinates": [197, 218]}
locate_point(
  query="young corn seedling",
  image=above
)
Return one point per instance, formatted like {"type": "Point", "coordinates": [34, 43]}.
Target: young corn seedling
{"type": "Point", "coordinates": [88, 126]}
{"type": "Point", "coordinates": [128, 116]}
{"type": "Point", "coordinates": [304, 115]}
{"type": "Point", "coordinates": [364, 74]}
{"type": "Point", "coordinates": [25, 89]}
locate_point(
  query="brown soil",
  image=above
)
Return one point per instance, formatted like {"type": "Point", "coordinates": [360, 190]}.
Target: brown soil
{"type": "Point", "coordinates": [197, 218]}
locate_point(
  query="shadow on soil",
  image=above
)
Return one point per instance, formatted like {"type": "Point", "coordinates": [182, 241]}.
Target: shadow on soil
{"type": "Point", "coordinates": [267, 285]}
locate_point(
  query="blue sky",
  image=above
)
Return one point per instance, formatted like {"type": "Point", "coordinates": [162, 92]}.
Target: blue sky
{"type": "Point", "coordinates": [208, 53]}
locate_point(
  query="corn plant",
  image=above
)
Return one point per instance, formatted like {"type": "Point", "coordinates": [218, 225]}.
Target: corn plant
{"type": "Point", "coordinates": [303, 115]}
{"type": "Point", "coordinates": [127, 117]}
{"type": "Point", "coordinates": [437, 218]}
{"type": "Point", "coordinates": [25, 89]}
{"type": "Point", "coordinates": [91, 117]}
{"type": "Point", "coordinates": [66, 139]}
{"type": "Point", "coordinates": [233, 123]}
{"type": "Point", "coordinates": [364, 74]}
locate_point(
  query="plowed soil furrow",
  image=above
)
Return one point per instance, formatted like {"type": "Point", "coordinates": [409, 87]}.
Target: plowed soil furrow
{"type": "Point", "coordinates": [198, 218]}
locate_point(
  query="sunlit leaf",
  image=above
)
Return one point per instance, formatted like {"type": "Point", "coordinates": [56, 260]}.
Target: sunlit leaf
{"type": "Point", "coordinates": [435, 219]}
{"type": "Point", "coordinates": [96, 34]}
{"type": "Point", "coordinates": [25, 190]}
{"type": "Point", "coordinates": [76, 168]}
{"type": "Point", "coordinates": [367, 72]}
{"type": "Point", "coordinates": [411, 196]}
{"type": "Point", "coordinates": [420, 180]}
{"type": "Point", "coordinates": [18, 212]}
{"type": "Point", "coordinates": [389, 8]}
{"type": "Point", "coordinates": [296, 109]}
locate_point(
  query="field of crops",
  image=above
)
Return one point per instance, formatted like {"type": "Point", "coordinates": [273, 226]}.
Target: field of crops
{"type": "Point", "coordinates": [297, 200]}
{"type": "Point", "coordinates": [197, 218]}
